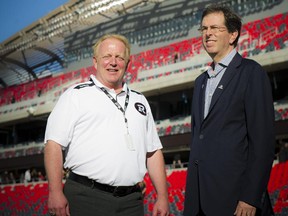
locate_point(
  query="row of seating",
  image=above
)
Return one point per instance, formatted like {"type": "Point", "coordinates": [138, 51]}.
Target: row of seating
{"type": "Point", "coordinates": [27, 91]}
{"type": "Point", "coordinates": [176, 28]}
{"type": "Point", "coordinates": [20, 199]}
{"type": "Point", "coordinates": [25, 150]}
{"type": "Point", "coordinates": [174, 129]}
{"type": "Point", "coordinates": [278, 188]}
{"type": "Point", "coordinates": [263, 35]}
{"type": "Point", "coordinates": [31, 198]}
{"type": "Point", "coordinates": [281, 114]}
{"type": "Point", "coordinates": [256, 6]}
{"type": "Point", "coordinates": [165, 127]}
{"type": "Point", "coordinates": [279, 177]}
{"type": "Point", "coordinates": [253, 37]}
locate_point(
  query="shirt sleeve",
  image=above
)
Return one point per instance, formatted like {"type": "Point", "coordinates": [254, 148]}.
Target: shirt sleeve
{"type": "Point", "coordinates": [154, 142]}
{"type": "Point", "coordinates": [61, 121]}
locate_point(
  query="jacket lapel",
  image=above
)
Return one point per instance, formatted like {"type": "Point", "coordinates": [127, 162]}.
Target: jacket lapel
{"type": "Point", "coordinates": [201, 101]}
{"type": "Point", "coordinates": [224, 82]}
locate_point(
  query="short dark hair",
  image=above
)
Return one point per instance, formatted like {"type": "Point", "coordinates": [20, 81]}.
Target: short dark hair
{"type": "Point", "coordinates": [232, 20]}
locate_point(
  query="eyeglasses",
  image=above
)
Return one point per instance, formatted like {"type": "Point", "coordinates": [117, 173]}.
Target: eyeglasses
{"type": "Point", "coordinates": [214, 29]}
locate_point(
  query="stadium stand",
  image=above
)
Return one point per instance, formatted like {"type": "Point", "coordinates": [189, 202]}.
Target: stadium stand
{"type": "Point", "coordinates": [31, 198]}
{"type": "Point", "coordinates": [265, 35]}
{"type": "Point", "coordinates": [167, 57]}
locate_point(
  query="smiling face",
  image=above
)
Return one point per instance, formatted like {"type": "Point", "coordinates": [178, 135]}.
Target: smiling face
{"type": "Point", "coordinates": [217, 40]}
{"type": "Point", "coordinates": [111, 63]}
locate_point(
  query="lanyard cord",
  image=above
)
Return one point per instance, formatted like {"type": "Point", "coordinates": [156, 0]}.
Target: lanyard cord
{"type": "Point", "coordinates": [118, 105]}
{"type": "Point", "coordinates": [116, 102]}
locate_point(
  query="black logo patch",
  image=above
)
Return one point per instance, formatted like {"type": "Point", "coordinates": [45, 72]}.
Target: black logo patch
{"type": "Point", "coordinates": [140, 108]}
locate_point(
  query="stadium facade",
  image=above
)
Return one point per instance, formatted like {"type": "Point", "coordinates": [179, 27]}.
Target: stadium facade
{"type": "Point", "coordinates": [41, 61]}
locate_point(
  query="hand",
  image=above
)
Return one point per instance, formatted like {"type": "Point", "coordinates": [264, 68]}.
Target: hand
{"type": "Point", "coordinates": [161, 207]}
{"type": "Point", "coordinates": [58, 204]}
{"type": "Point", "coordinates": [244, 209]}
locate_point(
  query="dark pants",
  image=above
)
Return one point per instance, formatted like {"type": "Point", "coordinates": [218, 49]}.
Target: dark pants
{"type": "Point", "coordinates": [86, 201]}
{"type": "Point", "coordinates": [266, 210]}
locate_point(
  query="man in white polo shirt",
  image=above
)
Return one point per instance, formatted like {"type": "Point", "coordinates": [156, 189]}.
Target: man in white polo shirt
{"type": "Point", "coordinates": [110, 141]}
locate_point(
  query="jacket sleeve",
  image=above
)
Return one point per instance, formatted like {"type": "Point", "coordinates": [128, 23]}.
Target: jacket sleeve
{"type": "Point", "coordinates": [259, 113]}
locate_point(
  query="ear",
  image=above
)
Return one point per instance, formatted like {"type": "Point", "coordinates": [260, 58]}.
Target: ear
{"type": "Point", "coordinates": [233, 37]}
{"type": "Point", "coordinates": [127, 65]}
{"type": "Point", "coordinates": [95, 62]}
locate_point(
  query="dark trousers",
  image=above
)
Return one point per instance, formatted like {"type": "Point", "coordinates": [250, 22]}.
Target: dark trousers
{"type": "Point", "coordinates": [88, 201]}
{"type": "Point", "coordinates": [266, 210]}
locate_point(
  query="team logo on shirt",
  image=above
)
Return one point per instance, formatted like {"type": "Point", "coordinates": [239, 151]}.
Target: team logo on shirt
{"type": "Point", "coordinates": [140, 108]}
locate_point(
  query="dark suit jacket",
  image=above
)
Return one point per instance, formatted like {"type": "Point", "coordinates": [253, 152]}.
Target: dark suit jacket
{"type": "Point", "coordinates": [232, 149]}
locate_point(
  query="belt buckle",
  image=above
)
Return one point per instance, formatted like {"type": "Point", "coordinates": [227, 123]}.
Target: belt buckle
{"type": "Point", "coordinates": [119, 191]}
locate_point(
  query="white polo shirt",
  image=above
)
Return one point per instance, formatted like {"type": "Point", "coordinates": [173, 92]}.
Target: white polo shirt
{"type": "Point", "coordinates": [92, 130]}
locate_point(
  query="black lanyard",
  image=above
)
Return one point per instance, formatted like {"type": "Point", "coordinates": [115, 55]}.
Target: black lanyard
{"type": "Point", "coordinates": [118, 105]}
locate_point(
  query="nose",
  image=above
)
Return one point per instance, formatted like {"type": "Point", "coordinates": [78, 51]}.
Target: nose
{"type": "Point", "coordinates": [208, 31]}
{"type": "Point", "coordinates": [113, 61]}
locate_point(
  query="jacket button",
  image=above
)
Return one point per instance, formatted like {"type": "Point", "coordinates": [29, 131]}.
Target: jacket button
{"type": "Point", "coordinates": [201, 136]}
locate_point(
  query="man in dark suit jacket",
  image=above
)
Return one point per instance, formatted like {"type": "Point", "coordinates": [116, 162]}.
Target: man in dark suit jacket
{"type": "Point", "coordinates": [232, 147]}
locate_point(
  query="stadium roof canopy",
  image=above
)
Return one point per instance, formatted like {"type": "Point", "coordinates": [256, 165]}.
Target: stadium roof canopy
{"type": "Point", "coordinates": [38, 50]}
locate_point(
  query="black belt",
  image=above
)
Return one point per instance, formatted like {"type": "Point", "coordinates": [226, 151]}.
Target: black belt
{"type": "Point", "coordinates": [117, 191]}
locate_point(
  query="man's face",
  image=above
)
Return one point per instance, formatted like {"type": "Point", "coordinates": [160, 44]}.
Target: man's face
{"type": "Point", "coordinates": [111, 63]}
{"type": "Point", "coordinates": [216, 39]}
